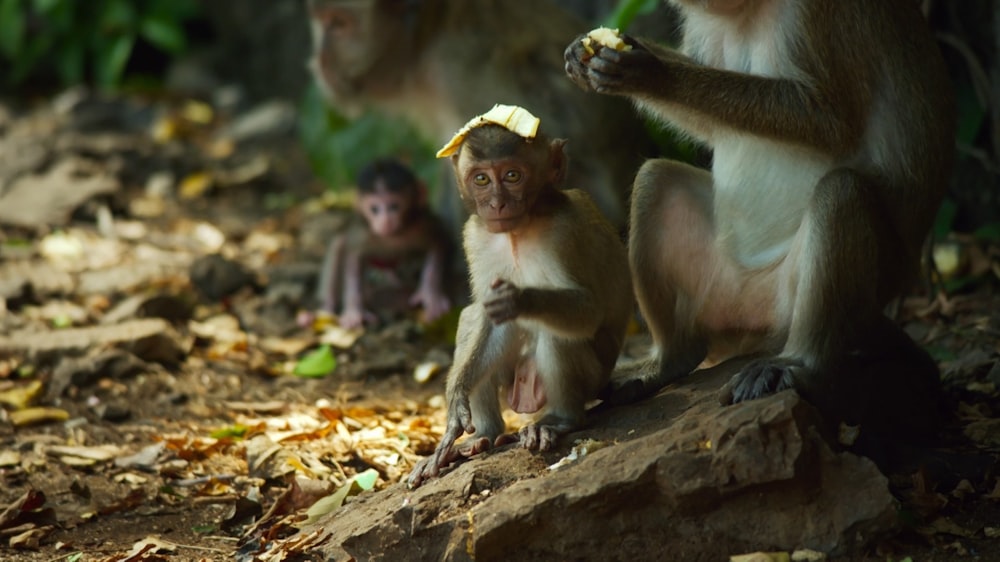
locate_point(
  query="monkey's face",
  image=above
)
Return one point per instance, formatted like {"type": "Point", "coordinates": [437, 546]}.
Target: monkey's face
{"type": "Point", "coordinates": [385, 212]}
{"type": "Point", "coordinates": [501, 192]}
{"type": "Point", "coordinates": [346, 42]}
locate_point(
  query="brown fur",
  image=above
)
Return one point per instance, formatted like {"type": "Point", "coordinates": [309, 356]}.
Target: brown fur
{"type": "Point", "coordinates": [551, 297]}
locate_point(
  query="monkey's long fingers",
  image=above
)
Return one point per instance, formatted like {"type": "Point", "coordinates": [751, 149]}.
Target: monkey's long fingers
{"type": "Point", "coordinates": [576, 57]}
{"type": "Point", "coordinates": [538, 437]}
{"type": "Point", "coordinates": [420, 473]}
{"type": "Point", "coordinates": [500, 311]}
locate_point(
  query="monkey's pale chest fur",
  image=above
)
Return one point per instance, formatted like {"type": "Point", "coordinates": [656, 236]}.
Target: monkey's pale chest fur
{"type": "Point", "coordinates": [524, 259]}
{"type": "Point", "coordinates": [750, 173]}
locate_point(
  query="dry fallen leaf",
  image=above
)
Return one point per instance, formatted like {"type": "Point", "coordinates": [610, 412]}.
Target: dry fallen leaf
{"type": "Point", "coordinates": [20, 397]}
{"type": "Point", "coordinates": [31, 416]}
{"type": "Point", "coordinates": [761, 557]}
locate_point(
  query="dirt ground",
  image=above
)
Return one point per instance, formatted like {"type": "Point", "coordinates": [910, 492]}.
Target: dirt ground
{"type": "Point", "coordinates": [200, 442]}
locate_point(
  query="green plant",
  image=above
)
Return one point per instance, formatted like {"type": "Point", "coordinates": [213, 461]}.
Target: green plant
{"type": "Point", "coordinates": [90, 40]}
{"type": "Point", "coordinates": [338, 148]}
{"type": "Point", "coordinates": [627, 10]}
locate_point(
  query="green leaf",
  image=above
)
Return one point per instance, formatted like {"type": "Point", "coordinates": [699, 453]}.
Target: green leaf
{"type": "Point", "coordinates": [163, 33]}
{"type": "Point", "coordinates": [627, 10]}
{"type": "Point", "coordinates": [234, 431]}
{"type": "Point", "coordinates": [319, 363]}
{"type": "Point", "coordinates": [945, 219]}
{"type": "Point", "coordinates": [11, 28]}
{"type": "Point", "coordinates": [367, 479]}
{"type": "Point", "coordinates": [359, 483]}
{"type": "Point", "coordinates": [47, 6]}
{"type": "Point", "coordinates": [338, 148]}
{"type": "Point", "coordinates": [971, 114]}
{"type": "Point", "coordinates": [941, 353]}
{"type": "Point", "coordinates": [70, 64]}
{"type": "Point", "coordinates": [176, 10]}
{"type": "Point", "coordinates": [118, 16]}
{"type": "Point", "coordinates": [989, 232]}
{"type": "Point", "coordinates": [111, 64]}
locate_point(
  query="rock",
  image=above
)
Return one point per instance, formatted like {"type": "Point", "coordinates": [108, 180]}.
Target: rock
{"type": "Point", "coordinates": [217, 277]}
{"type": "Point", "coordinates": [695, 481]}
{"type": "Point", "coordinates": [84, 371]}
{"type": "Point", "coordinates": [273, 317]}
{"type": "Point", "coordinates": [168, 307]}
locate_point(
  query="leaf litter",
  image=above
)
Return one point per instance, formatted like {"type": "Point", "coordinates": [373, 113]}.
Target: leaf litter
{"type": "Point", "coordinates": [152, 413]}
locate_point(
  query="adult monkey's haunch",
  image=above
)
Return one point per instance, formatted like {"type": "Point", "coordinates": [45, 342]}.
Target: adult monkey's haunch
{"type": "Point", "coordinates": [550, 287]}
{"type": "Point", "coordinates": [831, 124]}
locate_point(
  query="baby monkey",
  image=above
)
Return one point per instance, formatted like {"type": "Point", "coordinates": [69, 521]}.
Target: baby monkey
{"type": "Point", "coordinates": [551, 292]}
{"type": "Point", "coordinates": [393, 223]}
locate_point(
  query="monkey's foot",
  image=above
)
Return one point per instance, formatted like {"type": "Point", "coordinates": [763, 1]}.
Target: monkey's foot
{"type": "Point", "coordinates": [760, 378]}
{"type": "Point", "coordinates": [538, 437]}
{"type": "Point", "coordinates": [431, 466]}
{"type": "Point", "coordinates": [635, 381]}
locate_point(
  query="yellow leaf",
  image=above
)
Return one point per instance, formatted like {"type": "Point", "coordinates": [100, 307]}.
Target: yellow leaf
{"type": "Point", "coordinates": [20, 397]}
{"type": "Point", "coordinates": [198, 112]}
{"type": "Point", "coordinates": [31, 416]}
{"type": "Point", "coordinates": [195, 185]}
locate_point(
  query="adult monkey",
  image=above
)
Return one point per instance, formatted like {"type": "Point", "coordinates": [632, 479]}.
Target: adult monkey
{"type": "Point", "coordinates": [436, 62]}
{"type": "Point", "coordinates": [832, 131]}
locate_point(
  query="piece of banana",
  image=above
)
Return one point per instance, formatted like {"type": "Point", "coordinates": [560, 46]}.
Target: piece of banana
{"type": "Point", "coordinates": [516, 119]}
{"type": "Point", "coordinates": [604, 37]}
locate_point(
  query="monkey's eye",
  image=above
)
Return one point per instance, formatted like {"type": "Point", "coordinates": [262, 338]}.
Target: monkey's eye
{"type": "Point", "coordinates": [480, 179]}
{"type": "Point", "coordinates": [512, 176]}
{"type": "Point", "coordinates": [373, 209]}
{"type": "Point", "coordinates": [393, 207]}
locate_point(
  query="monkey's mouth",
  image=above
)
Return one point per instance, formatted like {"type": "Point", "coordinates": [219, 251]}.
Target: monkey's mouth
{"type": "Point", "coordinates": [502, 224]}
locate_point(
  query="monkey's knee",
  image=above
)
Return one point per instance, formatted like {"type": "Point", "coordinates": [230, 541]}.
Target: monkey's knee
{"type": "Point", "coordinates": [660, 181]}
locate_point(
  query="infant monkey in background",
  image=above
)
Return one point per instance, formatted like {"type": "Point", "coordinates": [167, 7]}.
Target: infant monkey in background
{"type": "Point", "coordinates": [393, 223]}
{"type": "Point", "coordinates": [551, 291]}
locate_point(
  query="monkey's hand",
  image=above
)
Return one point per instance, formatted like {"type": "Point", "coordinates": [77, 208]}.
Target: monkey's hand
{"type": "Point", "coordinates": [459, 423]}
{"type": "Point", "coordinates": [610, 71]}
{"type": "Point", "coordinates": [505, 302]}
{"type": "Point", "coordinates": [434, 302]}
{"type": "Point", "coordinates": [355, 318]}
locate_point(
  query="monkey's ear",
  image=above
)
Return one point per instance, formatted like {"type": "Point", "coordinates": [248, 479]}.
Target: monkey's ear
{"type": "Point", "coordinates": [559, 162]}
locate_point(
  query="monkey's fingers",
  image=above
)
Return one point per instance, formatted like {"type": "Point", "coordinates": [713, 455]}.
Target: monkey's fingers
{"type": "Point", "coordinates": [500, 312]}
{"type": "Point", "coordinates": [351, 319]}
{"type": "Point", "coordinates": [576, 57]}
{"type": "Point", "coordinates": [539, 437]}
{"type": "Point", "coordinates": [760, 378]}
{"type": "Point", "coordinates": [420, 473]}
{"type": "Point", "coordinates": [500, 283]}
{"type": "Point", "coordinates": [434, 304]}
{"type": "Point", "coordinates": [505, 439]}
